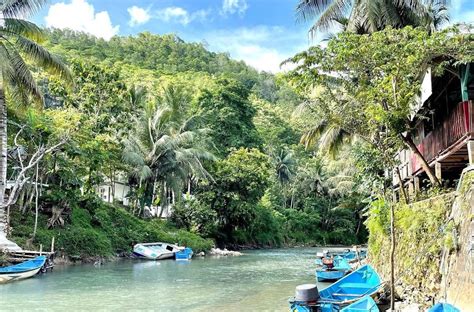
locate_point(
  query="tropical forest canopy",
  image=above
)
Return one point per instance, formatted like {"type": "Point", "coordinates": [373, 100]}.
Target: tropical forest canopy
{"type": "Point", "coordinates": [183, 127]}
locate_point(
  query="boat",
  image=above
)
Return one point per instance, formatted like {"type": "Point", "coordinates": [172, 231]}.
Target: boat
{"type": "Point", "coordinates": [156, 251]}
{"type": "Point", "coordinates": [364, 304]}
{"type": "Point", "coordinates": [296, 307]}
{"type": "Point", "coordinates": [362, 282]}
{"type": "Point", "coordinates": [185, 254]}
{"type": "Point", "coordinates": [333, 270]}
{"type": "Point", "coordinates": [443, 307]}
{"type": "Point", "coordinates": [351, 288]}
{"type": "Point", "coordinates": [22, 270]}
{"type": "Point", "coordinates": [349, 255]}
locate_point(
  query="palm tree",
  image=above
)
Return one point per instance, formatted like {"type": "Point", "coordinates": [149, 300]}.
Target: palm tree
{"type": "Point", "coordinates": [284, 164]}
{"type": "Point", "coordinates": [366, 16]}
{"type": "Point", "coordinates": [165, 149]}
{"type": "Point", "coordinates": [20, 41]}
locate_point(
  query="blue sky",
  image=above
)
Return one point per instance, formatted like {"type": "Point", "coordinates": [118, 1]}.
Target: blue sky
{"type": "Point", "coordinates": [261, 32]}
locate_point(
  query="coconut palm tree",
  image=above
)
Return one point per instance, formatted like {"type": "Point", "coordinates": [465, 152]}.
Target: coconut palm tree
{"type": "Point", "coordinates": [366, 16]}
{"type": "Point", "coordinates": [20, 42]}
{"type": "Point", "coordinates": [165, 149]}
{"type": "Point", "coordinates": [284, 163]}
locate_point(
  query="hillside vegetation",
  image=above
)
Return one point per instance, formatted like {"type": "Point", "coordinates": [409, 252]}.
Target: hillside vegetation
{"type": "Point", "coordinates": [185, 127]}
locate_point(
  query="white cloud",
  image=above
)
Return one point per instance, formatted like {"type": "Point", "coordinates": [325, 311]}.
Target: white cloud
{"type": "Point", "coordinates": [234, 6]}
{"type": "Point", "coordinates": [180, 15]}
{"type": "Point", "coordinates": [260, 47]}
{"type": "Point", "coordinates": [80, 15]}
{"type": "Point", "coordinates": [138, 15]}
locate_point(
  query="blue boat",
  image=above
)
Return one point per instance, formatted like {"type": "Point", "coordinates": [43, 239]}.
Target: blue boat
{"type": "Point", "coordinates": [349, 255]}
{"type": "Point", "coordinates": [362, 282]}
{"type": "Point", "coordinates": [443, 307]}
{"type": "Point", "coordinates": [21, 271]}
{"type": "Point", "coordinates": [185, 254]}
{"type": "Point", "coordinates": [296, 307]}
{"type": "Point", "coordinates": [365, 304]}
{"type": "Point", "coordinates": [334, 272]}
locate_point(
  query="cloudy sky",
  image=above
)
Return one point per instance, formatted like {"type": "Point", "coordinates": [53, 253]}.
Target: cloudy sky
{"type": "Point", "coordinates": [260, 32]}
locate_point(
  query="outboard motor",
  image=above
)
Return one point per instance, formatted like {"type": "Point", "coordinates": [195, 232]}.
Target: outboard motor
{"type": "Point", "coordinates": [306, 297]}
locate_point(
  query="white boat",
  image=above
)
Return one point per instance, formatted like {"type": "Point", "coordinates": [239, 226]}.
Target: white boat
{"type": "Point", "coordinates": [156, 251]}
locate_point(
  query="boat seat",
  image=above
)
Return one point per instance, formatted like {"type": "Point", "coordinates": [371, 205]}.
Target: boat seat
{"type": "Point", "coordinates": [354, 285]}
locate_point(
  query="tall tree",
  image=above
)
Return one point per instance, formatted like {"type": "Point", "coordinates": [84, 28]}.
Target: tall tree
{"type": "Point", "coordinates": [378, 81]}
{"type": "Point", "coordinates": [227, 111]}
{"type": "Point", "coordinates": [165, 149]}
{"type": "Point", "coordinates": [20, 41]}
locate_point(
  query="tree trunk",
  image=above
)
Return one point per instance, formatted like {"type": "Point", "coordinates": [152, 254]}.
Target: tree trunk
{"type": "Point", "coordinates": [3, 145]}
{"type": "Point", "coordinates": [36, 201]}
{"type": "Point", "coordinates": [392, 256]}
{"type": "Point", "coordinates": [402, 188]}
{"type": "Point", "coordinates": [424, 164]}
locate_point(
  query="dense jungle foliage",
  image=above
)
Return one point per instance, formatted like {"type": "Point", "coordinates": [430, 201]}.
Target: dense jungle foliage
{"type": "Point", "coordinates": [185, 128]}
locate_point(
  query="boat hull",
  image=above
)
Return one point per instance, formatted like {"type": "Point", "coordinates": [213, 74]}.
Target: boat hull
{"type": "Point", "coordinates": [10, 277]}
{"type": "Point", "coordinates": [365, 304]}
{"type": "Point", "coordinates": [363, 282]}
{"type": "Point", "coordinates": [185, 254]}
{"type": "Point", "coordinates": [329, 275]}
{"type": "Point", "coordinates": [21, 271]}
{"type": "Point", "coordinates": [443, 307]}
{"type": "Point", "coordinates": [155, 251]}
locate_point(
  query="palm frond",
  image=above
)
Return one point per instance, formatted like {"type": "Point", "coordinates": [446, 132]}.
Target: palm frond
{"type": "Point", "coordinates": [21, 8]}
{"type": "Point", "coordinates": [20, 27]}
{"type": "Point", "coordinates": [331, 15]}
{"type": "Point", "coordinates": [18, 74]}
{"type": "Point", "coordinates": [310, 9]}
{"type": "Point", "coordinates": [311, 136]}
{"type": "Point", "coordinates": [43, 58]}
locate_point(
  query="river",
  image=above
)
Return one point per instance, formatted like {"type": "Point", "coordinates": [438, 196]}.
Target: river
{"type": "Point", "coordinates": [258, 281]}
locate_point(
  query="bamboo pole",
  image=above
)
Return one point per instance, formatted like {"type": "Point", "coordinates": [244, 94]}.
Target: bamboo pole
{"type": "Point", "coordinates": [41, 249]}
{"type": "Point", "coordinates": [52, 245]}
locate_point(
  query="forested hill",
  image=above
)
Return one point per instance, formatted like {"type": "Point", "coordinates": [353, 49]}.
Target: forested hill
{"type": "Point", "coordinates": [184, 128]}
{"type": "Point", "coordinates": [166, 54]}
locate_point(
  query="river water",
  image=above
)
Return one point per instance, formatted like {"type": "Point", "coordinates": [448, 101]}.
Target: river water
{"type": "Point", "coordinates": [258, 281]}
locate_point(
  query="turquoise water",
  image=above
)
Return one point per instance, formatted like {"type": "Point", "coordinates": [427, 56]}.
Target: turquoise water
{"type": "Point", "coordinates": [257, 281]}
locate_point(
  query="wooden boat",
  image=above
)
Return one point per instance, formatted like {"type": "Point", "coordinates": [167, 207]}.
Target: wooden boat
{"type": "Point", "coordinates": [443, 307]}
{"type": "Point", "coordinates": [156, 251]}
{"type": "Point", "coordinates": [22, 270]}
{"type": "Point", "coordinates": [334, 270]}
{"type": "Point", "coordinates": [362, 282]}
{"type": "Point", "coordinates": [185, 254]}
{"type": "Point", "coordinates": [364, 304]}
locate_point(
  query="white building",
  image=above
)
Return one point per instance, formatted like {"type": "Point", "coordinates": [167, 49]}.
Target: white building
{"type": "Point", "coordinates": [116, 191]}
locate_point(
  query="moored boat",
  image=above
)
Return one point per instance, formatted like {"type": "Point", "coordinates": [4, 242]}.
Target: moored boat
{"type": "Point", "coordinates": [22, 270]}
{"type": "Point", "coordinates": [337, 268]}
{"type": "Point", "coordinates": [362, 282]}
{"type": "Point", "coordinates": [443, 307]}
{"type": "Point", "coordinates": [185, 254]}
{"type": "Point", "coordinates": [156, 251]}
{"type": "Point", "coordinates": [364, 304]}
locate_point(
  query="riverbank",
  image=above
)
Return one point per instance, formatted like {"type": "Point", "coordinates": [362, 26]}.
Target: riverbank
{"type": "Point", "coordinates": [96, 230]}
